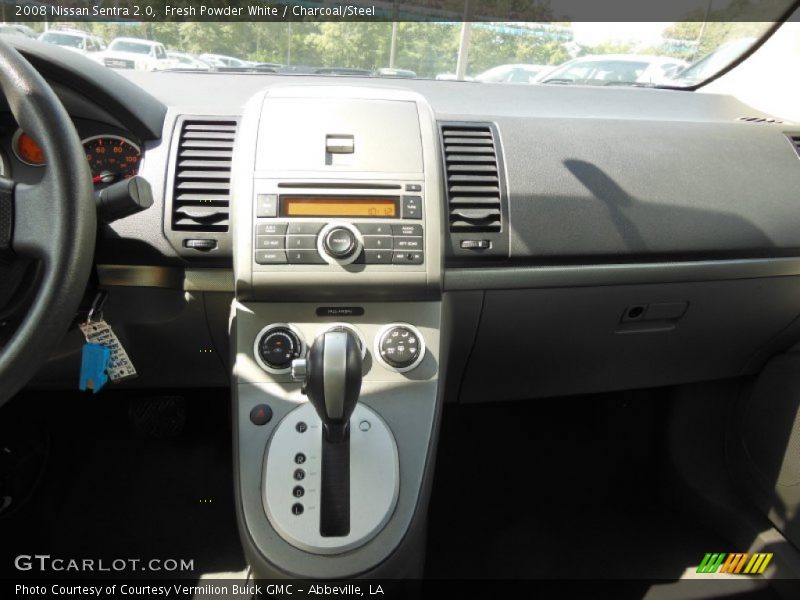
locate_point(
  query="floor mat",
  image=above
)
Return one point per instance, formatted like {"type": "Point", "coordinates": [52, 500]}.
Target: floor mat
{"type": "Point", "coordinates": [110, 491]}
{"type": "Point", "coordinates": [559, 488]}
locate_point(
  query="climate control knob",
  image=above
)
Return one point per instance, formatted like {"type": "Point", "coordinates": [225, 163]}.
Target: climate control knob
{"type": "Point", "coordinates": [276, 346]}
{"type": "Point", "coordinates": [400, 347]}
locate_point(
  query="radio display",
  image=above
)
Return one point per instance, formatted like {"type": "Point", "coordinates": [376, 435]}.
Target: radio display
{"type": "Point", "coordinates": [339, 206]}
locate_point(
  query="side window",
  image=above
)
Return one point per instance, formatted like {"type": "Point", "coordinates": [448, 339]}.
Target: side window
{"type": "Point", "coordinates": [521, 76]}
{"type": "Point", "coordinates": [577, 73]}
{"type": "Point", "coordinates": [160, 52]}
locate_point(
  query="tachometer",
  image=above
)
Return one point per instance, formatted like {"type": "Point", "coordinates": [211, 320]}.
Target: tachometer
{"type": "Point", "coordinates": [27, 150]}
{"type": "Point", "coordinates": [111, 158]}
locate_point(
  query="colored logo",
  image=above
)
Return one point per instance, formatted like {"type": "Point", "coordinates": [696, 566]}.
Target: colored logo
{"type": "Point", "coordinates": [737, 563]}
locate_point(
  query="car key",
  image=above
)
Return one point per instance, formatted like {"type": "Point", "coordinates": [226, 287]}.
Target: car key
{"type": "Point", "coordinates": [98, 331]}
{"type": "Point", "coordinates": [94, 363]}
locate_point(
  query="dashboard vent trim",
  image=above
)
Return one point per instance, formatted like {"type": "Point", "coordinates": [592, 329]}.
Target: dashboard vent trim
{"type": "Point", "coordinates": [472, 178]}
{"type": "Point", "coordinates": [201, 183]}
{"type": "Point", "coordinates": [475, 190]}
{"type": "Point", "coordinates": [794, 138]}
{"type": "Point", "coordinates": [767, 120]}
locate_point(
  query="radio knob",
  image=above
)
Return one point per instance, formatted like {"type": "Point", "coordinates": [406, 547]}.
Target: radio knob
{"type": "Point", "coordinates": [340, 242]}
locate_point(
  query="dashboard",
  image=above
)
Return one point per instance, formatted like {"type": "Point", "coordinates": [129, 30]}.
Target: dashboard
{"type": "Point", "coordinates": [615, 226]}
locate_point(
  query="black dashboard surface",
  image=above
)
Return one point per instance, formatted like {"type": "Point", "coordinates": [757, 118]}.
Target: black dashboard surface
{"type": "Point", "coordinates": [597, 175]}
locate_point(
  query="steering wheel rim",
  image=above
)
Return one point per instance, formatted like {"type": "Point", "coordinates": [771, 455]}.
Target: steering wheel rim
{"type": "Point", "coordinates": [53, 221]}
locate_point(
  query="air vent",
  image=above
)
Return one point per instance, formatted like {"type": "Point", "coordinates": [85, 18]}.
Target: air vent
{"type": "Point", "coordinates": [474, 190]}
{"type": "Point", "coordinates": [768, 120]}
{"type": "Point", "coordinates": [201, 188]}
{"type": "Point", "coordinates": [795, 139]}
{"type": "Point", "coordinates": [472, 178]}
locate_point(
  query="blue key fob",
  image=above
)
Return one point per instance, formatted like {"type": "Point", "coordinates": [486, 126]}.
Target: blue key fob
{"type": "Point", "coordinates": [94, 362]}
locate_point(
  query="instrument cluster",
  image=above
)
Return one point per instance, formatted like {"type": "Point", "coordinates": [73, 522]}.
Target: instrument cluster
{"type": "Point", "coordinates": [111, 156]}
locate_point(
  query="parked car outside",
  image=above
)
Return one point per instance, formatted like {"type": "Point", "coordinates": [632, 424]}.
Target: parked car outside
{"type": "Point", "coordinates": [75, 40]}
{"type": "Point", "coordinates": [514, 73]}
{"type": "Point", "coordinates": [135, 53]}
{"type": "Point", "coordinates": [615, 69]}
{"type": "Point", "coordinates": [188, 62]}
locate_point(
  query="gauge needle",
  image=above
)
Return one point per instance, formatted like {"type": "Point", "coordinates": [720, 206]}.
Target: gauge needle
{"type": "Point", "coordinates": [104, 177]}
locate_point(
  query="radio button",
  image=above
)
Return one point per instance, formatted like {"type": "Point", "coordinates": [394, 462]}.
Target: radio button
{"type": "Point", "coordinates": [378, 257]}
{"type": "Point", "coordinates": [301, 242]}
{"type": "Point", "coordinates": [412, 207]}
{"type": "Point", "coordinates": [374, 228]}
{"type": "Point", "coordinates": [267, 205]}
{"type": "Point", "coordinates": [415, 230]}
{"type": "Point", "coordinates": [378, 242]}
{"type": "Point", "coordinates": [412, 257]}
{"type": "Point", "coordinates": [304, 228]}
{"type": "Point", "coordinates": [270, 228]}
{"type": "Point", "coordinates": [413, 187]}
{"type": "Point", "coordinates": [270, 257]}
{"type": "Point", "coordinates": [305, 257]}
{"type": "Point", "coordinates": [408, 243]}
{"type": "Point", "coordinates": [269, 242]}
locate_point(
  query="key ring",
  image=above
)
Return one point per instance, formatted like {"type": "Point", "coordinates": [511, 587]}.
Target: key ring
{"type": "Point", "coordinates": [97, 306]}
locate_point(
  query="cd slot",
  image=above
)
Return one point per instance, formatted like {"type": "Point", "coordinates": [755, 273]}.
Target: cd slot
{"type": "Point", "coordinates": [339, 186]}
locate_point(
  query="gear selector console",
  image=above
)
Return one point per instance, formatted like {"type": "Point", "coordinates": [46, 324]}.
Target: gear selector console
{"type": "Point", "coordinates": [336, 329]}
{"type": "Point", "coordinates": [344, 446]}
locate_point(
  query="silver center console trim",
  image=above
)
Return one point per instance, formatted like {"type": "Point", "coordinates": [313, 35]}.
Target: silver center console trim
{"type": "Point", "coordinates": [374, 480]}
{"type": "Point", "coordinates": [281, 276]}
{"type": "Point", "coordinates": [376, 169]}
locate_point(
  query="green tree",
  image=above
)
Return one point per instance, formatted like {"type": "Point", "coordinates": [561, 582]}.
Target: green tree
{"type": "Point", "coordinates": [353, 45]}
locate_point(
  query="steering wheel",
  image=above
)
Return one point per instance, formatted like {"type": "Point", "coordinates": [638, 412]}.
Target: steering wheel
{"type": "Point", "coordinates": [53, 221]}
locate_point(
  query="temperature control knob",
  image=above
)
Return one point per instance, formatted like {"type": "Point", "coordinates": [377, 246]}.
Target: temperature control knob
{"type": "Point", "coordinates": [400, 347]}
{"type": "Point", "coordinates": [277, 346]}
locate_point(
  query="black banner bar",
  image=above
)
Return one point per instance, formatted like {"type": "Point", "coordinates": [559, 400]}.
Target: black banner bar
{"type": "Point", "coordinates": [384, 589]}
{"type": "Point", "coordinates": [451, 11]}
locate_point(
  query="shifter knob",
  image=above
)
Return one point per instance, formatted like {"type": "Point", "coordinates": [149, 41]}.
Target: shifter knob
{"type": "Point", "coordinates": [333, 381]}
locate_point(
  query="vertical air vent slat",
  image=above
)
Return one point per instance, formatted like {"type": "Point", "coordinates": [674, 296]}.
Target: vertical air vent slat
{"type": "Point", "coordinates": [201, 186]}
{"type": "Point", "coordinates": [472, 178]}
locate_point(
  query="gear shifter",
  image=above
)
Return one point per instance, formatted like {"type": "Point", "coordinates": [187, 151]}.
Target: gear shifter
{"type": "Point", "coordinates": [332, 382]}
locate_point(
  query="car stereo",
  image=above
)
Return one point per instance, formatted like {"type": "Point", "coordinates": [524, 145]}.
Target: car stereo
{"type": "Point", "coordinates": [339, 229]}
{"type": "Point", "coordinates": [338, 195]}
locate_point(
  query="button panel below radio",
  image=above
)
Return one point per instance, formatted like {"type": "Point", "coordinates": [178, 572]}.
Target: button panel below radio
{"type": "Point", "coordinates": [295, 243]}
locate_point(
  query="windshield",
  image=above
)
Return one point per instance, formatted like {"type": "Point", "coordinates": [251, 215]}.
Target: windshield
{"type": "Point", "coordinates": [668, 54]}
{"type": "Point", "coordinates": [714, 61]}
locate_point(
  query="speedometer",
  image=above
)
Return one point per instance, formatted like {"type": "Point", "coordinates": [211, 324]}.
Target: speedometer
{"type": "Point", "coordinates": [111, 158]}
